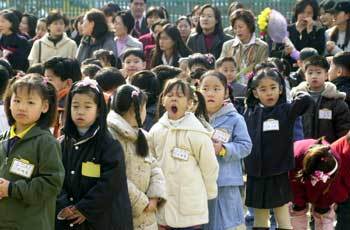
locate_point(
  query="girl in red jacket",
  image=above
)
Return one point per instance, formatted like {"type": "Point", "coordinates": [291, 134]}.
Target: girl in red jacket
{"type": "Point", "coordinates": [320, 178]}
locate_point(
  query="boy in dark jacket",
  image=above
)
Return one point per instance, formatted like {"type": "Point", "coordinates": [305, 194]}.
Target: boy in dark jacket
{"type": "Point", "coordinates": [339, 73]}
{"type": "Point", "coordinates": [329, 116]}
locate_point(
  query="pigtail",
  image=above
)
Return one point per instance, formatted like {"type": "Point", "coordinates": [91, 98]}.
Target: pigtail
{"type": "Point", "coordinates": [230, 93]}
{"type": "Point", "coordinates": [201, 110]}
{"type": "Point", "coordinates": [141, 142]}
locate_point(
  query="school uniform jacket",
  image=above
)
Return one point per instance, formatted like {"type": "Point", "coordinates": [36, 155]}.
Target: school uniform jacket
{"type": "Point", "coordinates": [99, 191]}
{"type": "Point", "coordinates": [322, 195]}
{"type": "Point", "coordinates": [271, 131]}
{"type": "Point", "coordinates": [44, 49]}
{"type": "Point", "coordinates": [343, 85]}
{"type": "Point", "coordinates": [31, 203]}
{"type": "Point", "coordinates": [328, 117]}
{"type": "Point", "coordinates": [145, 178]}
{"type": "Point", "coordinates": [191, 181]}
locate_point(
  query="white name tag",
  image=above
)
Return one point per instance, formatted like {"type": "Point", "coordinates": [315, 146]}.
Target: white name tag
{"type": "Point", "coordinates": [22, 168]}
{"type": "Point", "coordinates": [180, 154]}
{"type": "Point", "coordinates": [271, 125]}
{"type": "Point", "coordinates": [221, 135]}
{"type": "Point", "coordinates": [325, 114]}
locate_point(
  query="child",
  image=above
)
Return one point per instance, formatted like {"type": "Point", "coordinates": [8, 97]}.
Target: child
{"type": "Point", "coordinates": [165, 73]}
{"type": "Point", "coordinates": [270, 122]}
{"type": "Point", "coordinates": [148, 82]}
{"type": "Point", "coordinates": [107, 58]}
{"type": "Point", "coordinates": [94, 195]}
{"type": "Point", "coordinates": [31, 173]}
{"type": "Point", "coordinates": [339, 73]}
{"type": "Point", "coordinates": [187, 156]}
{"type": "Point", "coordinates": [227, 66]}
{"type": "Point", "coordinates": [198, 64]}
{"type": "Point", "coordinates": [330, 115]}
{"type": "Point", "coordinates": [133, 61]}
{"type": "Point", "coordinates": [321, 178]}
{"type": "Point", "coordinates": [90, 70]}
{"type": "Point", "coordinates": [62, 73]}
{"type": "Point", "coordinates": [146, 183]}
{"type": "Point", "coordinates": [232, 143]}
{"type": "Point", "coordinates": [5, 76]}
{"type": "Point", "coordinates": [109, 79]}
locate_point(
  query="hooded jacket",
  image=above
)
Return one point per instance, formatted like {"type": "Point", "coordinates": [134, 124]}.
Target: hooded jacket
{"type": "Point", "coordinates": [191, 181]}
{"type": "Point", "coordinates": [329, 116]}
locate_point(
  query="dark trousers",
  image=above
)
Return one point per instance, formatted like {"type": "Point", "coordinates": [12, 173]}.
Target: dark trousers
{"type": "Point", "coordinates": [343, 216]}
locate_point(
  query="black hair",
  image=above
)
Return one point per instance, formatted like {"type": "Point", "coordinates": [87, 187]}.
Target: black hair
{"type": "Point", "coordinates": [36, 68]}
{"type": "Point", "coordinates": [106, 55]}
{"type": "Point", "coordinates": [342, 59]}
{"type": "Point", "coordinates": [100, 27]}
{"type": "Point", "coordinates": [180, 48]}
{"type": "Point", "coordinates": [207, 60]}
{"type": "Point", "coordinates": [234, 6]}
{"type": "Point", "coordinates": [12, 18]}
{"type": "Point", "coordinates": [56, 15]}
{"type": "Point", "coordinates": [307, 52]}
{"type": "Point", "coordinates": [94, 61]}
{"type": "Point", "coordinates": [253, 83]}
{"type": "Point", "coordinates": [335, 35]}
{"type": "Point", "coordinates": [165, 72]}
{"type": "Point", "coordinates": [195, 8]}
{"type": "Point", "coordinates": [183, 18]}
{"type": "Point", "coordinates": [145, 1]}
{"type": "Point", "coordinates": [218, 26]}
{"type": "Point", "coordinates": [31, 20]}
{"type": "Point", "coordinates": [148, 82]}
{"type": "Point", "coordinates": [129, 97]}
{"type": "Point", "coordinates": [77, 20]}
{"type": "Point", "coordinates": [64, 68]}
{"type": "Point", "coordinates": [222, 60]}
{"type": "Point", "coordinates": [90, 70]}
{"type": "Point", "coordinates": [223, 81]}
{"type": "Point", "coordinates": [328, 6]}
{"type": "Point", "coordinates": [317, 60]}
{"type": "Point", "coordinates": [127, 19]}
{"type": "Point", "coordinates": [282, 65]}
{"type": "Point", "coordinates": [110, 9]}
{"type": "Point", "coordinates": [159, 11]}
{"type": "Point", "coordinates": [197, 73]}
{"type": "Point", "coordinates": [160, 22]}
{"type": "Point", "coordinates": [30, 83]}
{"type": "Point", "coordinates": [8, 67]}
{"type": "Point", "coordinates": [201, 110]}
{"type": "Point", "coordinates": [302, 4]}
{"type": "Point", "coordinates": [109, 78]}
{"type": "Point", "coordinates": [135, 52]}
{"type": "Point", "coordinates": [246, 16]}
{"type": "Point", "coordinates": [5, 77]}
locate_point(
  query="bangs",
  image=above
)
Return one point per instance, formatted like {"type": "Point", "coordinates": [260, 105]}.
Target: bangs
{"type": "Point", "coordinates": [26, 87]}
{"type": "Point", "coordinates": [179, 86]}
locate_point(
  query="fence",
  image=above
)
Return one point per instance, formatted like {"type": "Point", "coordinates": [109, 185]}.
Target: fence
{"type": "Point", "coordinates": [176, 8]}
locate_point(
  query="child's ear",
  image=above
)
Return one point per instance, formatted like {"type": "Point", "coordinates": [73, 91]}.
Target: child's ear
{"type": "Point", "coordinates": [189, 103]}
{"type": "Point", "coordinates": [255, 94]}
{"type": "Point", "coordinates": [45, 106]}
{"type": "Point", "coordinates": [281, 90]}
{"type": "Point", "coordinates": [144, 65]}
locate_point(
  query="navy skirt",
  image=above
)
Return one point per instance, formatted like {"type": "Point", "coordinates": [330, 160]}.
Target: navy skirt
{"type": "Point", "coordinates": [268, 192]}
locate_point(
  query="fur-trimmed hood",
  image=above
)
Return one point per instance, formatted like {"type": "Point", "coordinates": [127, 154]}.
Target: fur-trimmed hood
{"type": "Point", "coordinates": [330, 90]}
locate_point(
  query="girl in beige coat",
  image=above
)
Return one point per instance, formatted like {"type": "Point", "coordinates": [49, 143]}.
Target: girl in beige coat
{"type": "Point", "coordinates": [146, 183]}
{"type": "Point", "coordinates": [187, 157]}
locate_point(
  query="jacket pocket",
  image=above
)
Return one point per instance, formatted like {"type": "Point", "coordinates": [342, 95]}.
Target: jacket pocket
{"type": "Point", "coordinates": [193, 201]}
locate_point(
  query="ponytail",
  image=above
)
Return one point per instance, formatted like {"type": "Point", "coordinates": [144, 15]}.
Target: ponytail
{"type": "Point", "coordinates": [141, 142]}
{"type": "Point", "coordinates": [201, 110]}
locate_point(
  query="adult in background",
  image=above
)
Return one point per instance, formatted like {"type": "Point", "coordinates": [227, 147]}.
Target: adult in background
{"type": "Point", "coordinates": [246, 49]}
{"type": "Point", "coordinates": [183, 24]}
{"type": "Point", "coordinates": [95, 35]}
{"type": "Point", "coordinates": [233, 6]}
{"type": "Point", "coordinates": [137, 9]}
{"type": "Point", "coordinates": [13, 47]}
{"type": "Point", "coordinates": [110, 10]}
{"type": "Point", "coordinates": [327, 13]}
{"type": "Point", "coordinates": [27, 25]}
{"type": "Point", "coordinates": [209, 36]}
{"type": "Point", "coordinates": [55, 42]}
{"type": "Point", "coordinates": [306, 32]}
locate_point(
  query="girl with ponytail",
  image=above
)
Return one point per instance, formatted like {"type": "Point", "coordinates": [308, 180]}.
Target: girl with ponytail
{"type": "Point", "coordinates": [146, 183]}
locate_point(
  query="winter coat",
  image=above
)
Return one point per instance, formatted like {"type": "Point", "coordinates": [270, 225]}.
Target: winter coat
{"type": "Point", "coordinates": [246, 56]}
{"type": "Point", "coordinates": [186, 155]}
{"type": "Point", "coordinates": [95, 182]}
{"type": "Point", "coordinates": [328, 117]}
{"type": "Point", "coordinates": [238, 146]}
{"type": "Point", "coordinates": [15, 48]}
{"type": "Point", "coordinates": [31, 203]}
{"type": "Point", "coordinates": [322, 195]}
{"type": "Point", "coordinates": [87, 47]}
{"type": "Point", "coordinates": [271, 131]}
{"type": "Point", "coordinates": [44, 49]}
{"type": "Point", "coordinates": [196, 43]}
{"type": "Point", "coordinates": [343, 85]}
{"type": "Point", "coordinates": [145, 178]}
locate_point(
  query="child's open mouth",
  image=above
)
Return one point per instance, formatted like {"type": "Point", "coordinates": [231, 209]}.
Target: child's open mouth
{"type": "Point", "coordinates": [173, 109]}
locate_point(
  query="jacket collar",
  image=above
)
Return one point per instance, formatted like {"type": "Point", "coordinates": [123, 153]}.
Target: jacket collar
{"type": "Point", "coordinates": [237, 42]}
{"type": "Point", "coordinates": [330, 90]}
{"type": "Point", "coordinates": [45, 39]}
{"type": "Point", "coordinates": [118, 124]}
{"type": "Point", "coordinates": [33, 132]}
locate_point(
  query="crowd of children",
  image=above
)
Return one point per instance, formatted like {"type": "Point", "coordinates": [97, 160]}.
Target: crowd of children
{"type": "Point", "coordinates": [109, 126]}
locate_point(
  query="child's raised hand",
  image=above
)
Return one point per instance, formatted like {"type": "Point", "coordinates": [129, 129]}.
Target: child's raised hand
{"type": "Point", "coordinates": [152, 205]}
{"type": "Point", "coordinates": [79, 218]}
{"type": "Point", "coordinates": [4, 188]}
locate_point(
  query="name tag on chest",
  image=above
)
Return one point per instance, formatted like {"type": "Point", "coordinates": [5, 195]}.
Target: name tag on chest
{"type": "Point", "coordinates": [271, 125]}
{"type": "Point", "coordinates": [221, 135]}
{"type": "Point", "coordinates": [180, 154]}
{"type": "Point", "coordinates": [325, 114]}
{"type": "Point", "coordinates": [22, 168]}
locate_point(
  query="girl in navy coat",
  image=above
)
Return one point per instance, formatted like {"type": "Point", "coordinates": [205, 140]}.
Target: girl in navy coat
{"type": "Point", "coordinates": [94, 194]}
{"type": "Point", "coordinates": [232, 143]}
{"type": "Point", "coordinates": [270, 122]}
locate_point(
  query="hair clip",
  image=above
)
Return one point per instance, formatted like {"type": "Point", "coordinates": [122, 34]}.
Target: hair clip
{"type": "Point", "coordinates": [88, 82]}
{"type": "Point", "coordinates": [318, 175]}
{"type": "Point", "coordinates": [45, 80]}
{"type": "Point", "coordinates": [135, 93]}
{"type": "Point", "coordinates": [210, 58]}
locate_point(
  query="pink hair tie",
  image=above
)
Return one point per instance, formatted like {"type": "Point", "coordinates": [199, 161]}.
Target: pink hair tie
{"type": "Point", "coordinates": [318, 175]}
{"type": "Point", "coordinates": [88, 82]}
{"type": "Point", "coordinates": [45, 80]}
{"type": "Point", "coordinates": [135, 93]}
